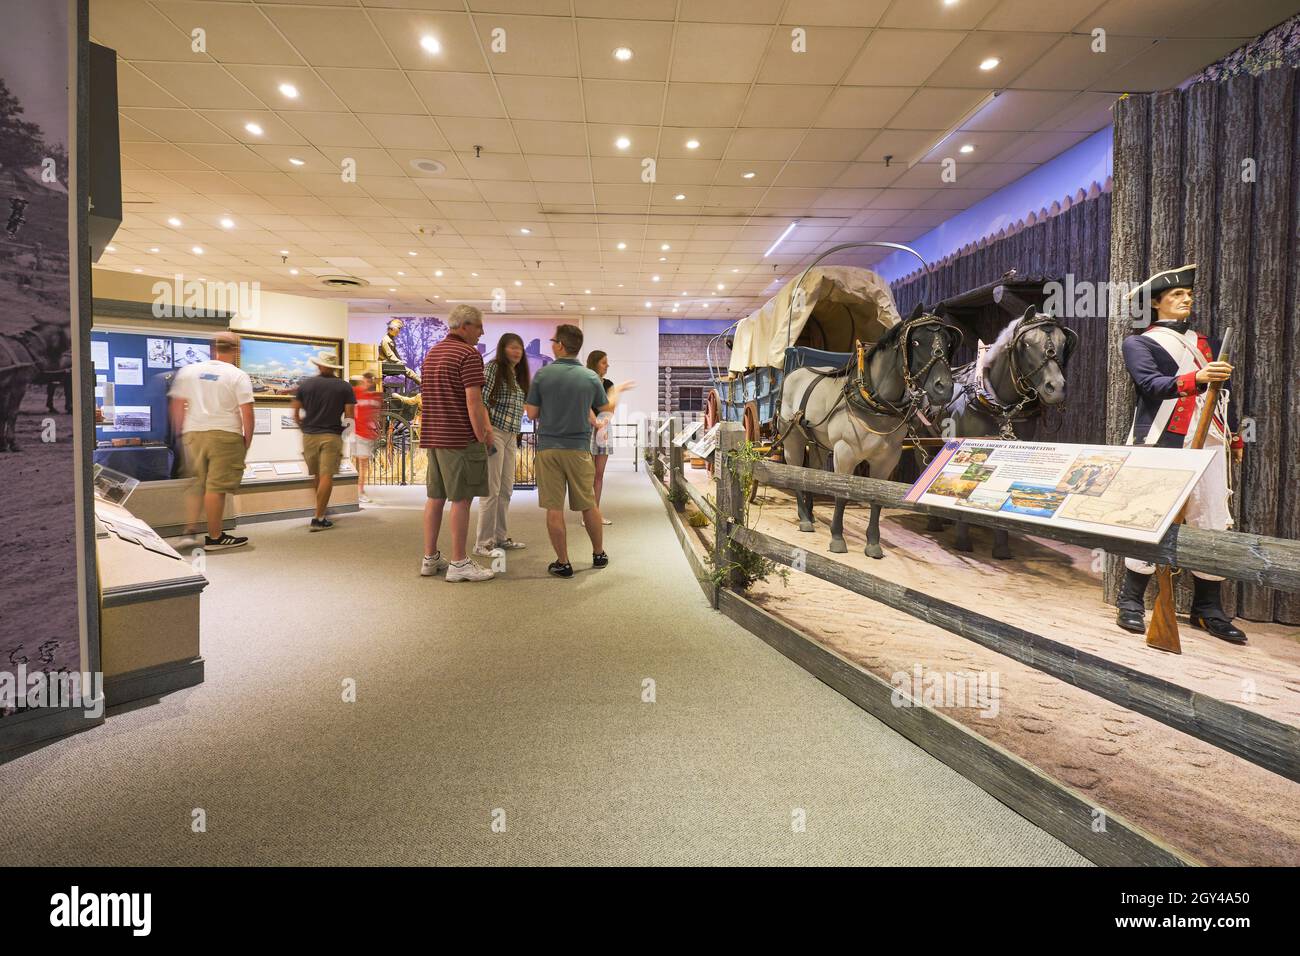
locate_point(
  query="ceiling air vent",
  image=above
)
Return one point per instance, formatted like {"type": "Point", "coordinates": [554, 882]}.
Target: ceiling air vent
{"type": "Point", "coordinates": [343, 282]}
{"type": "Point", "coordinates": [429, 166]}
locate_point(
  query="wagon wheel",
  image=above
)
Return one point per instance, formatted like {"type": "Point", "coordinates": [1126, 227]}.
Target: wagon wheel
{"type": "Point", "coordinates": [712, 415]}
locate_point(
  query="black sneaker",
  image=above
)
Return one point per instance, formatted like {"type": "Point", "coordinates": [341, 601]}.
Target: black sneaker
{"type": "Point", "coordinates": [224, 543]}
{"type": "Point", "coordinates": [600, 560]}
{"type": "Point", "coordinates": [321, 524]}
{"type": "Point", "coordinates": [560, 570]}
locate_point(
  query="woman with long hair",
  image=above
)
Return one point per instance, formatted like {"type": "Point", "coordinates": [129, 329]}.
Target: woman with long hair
{"type": "Point", "coordinates": [504, 387]}
{"type": "Point", "coordinates": [602, 440]}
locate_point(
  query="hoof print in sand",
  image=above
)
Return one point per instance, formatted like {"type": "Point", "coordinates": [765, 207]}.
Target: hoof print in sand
{"type": "Point", "coordinates": [1119, 726]}
{"type": "Point", "coordinates": [1032, 724]}
{"type": "Point", "coordinates": [1106, 748]}
{"type": "Point", "coordinates": [1085, 778]}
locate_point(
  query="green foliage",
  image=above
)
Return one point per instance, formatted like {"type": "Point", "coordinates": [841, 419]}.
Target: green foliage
{"type": "Point", "coordinates": [697, 519]}
{"type": "Point", "coordinates": [676, 495]}
{"type": "Point", "coordinates": [749, 567]}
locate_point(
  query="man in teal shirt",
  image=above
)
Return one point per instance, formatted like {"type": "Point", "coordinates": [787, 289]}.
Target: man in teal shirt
{"type": "Point", "coordinates": [561, 400]}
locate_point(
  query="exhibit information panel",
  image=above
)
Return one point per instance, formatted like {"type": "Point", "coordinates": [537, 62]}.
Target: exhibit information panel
{"type": "Point", "coordinates": [1128, 491]}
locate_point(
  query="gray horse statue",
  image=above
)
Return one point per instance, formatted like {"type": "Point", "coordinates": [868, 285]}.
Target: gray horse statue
{"type": "Point", "coordinates": [1004, 393]}
{"type": "Point", "coordinates": [862, 411]}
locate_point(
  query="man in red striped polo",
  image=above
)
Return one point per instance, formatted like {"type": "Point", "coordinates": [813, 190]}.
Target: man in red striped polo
{"type": "Point", "coordinates": [456, 431]}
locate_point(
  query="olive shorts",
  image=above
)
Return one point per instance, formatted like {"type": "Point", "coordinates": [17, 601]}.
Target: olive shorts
{"type": "Point", "coordinates": [565, 468]}
{"type": "Point", "coordinates": [215, 459]}
{"type": "Point", "coordinates": [323, 453]}
{"type": "Point", "coordinates": [457, 474]}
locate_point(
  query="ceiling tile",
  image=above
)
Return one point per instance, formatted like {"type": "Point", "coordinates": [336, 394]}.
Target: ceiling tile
{"type": "Point", "coordinates": [858, 107]}
{"type": "Point", "coordinates": [552, 98]}
{"type": "Point", "coordinates": [402, 31]}
{"type": "Point", "coordinates": [649, 41]}
{"type": "Point", "coordinates": [179, 126]}
{"type": "Point", "coordinates": [938, 16]}
{"type": "Point", "coordinates": [790, 106]}
{"type": "Point", "coordinates": [532, 46]}
{"type": "Point", "coordinates": [1015, 51]}
{"type": "Point", "coordinates": [821, 56]}
{"type": "Point", "coordinates": [1167, 64]}
{"type": "Point", "coordinates": [718, 52]}
{"type": "Point", "coordinates": [405, 132]}
{"type": "Point", "coordinates": [891, 57]}
{"type": "Point", "coordinates": [936, 109]}
{"type": "Point", "coordinates": [330, 129]}
{"type": "Point", "coordinates": [623, 101]}
{"type": "Point", "coordinates": [835, 13]}
{"type": "Point", "coordinates": [373, 91]}
{"type": "Point", "coordinates": [1072, 65]}
{"type": "Point", "coordinates": [331, 37]}
{"type": "Point", "coordinates": [313, 93]}
{"type": "Point", "coordinates": [705, 104]}
{"type": "Point", "coordinates": [464, 133]}
{"type": "Point", "coordinates": [1019, 110]}
{"type": "Point", "coordinates": [553, 139]}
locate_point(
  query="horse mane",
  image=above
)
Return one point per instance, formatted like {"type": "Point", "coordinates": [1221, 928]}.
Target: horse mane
{"type": "Point", "coordinates": [985, 359]}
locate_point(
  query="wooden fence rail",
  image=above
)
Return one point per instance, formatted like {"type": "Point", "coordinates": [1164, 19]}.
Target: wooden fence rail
{"type": "Point", "coordinates": [1272, 562]}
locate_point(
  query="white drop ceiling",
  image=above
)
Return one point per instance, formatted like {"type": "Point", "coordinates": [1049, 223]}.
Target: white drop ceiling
{"type": "Point", "coordinates": [527, 135]}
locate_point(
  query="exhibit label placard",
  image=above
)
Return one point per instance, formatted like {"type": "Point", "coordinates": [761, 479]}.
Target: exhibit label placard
{"type": "Point", "coordinates": [1131, 492]}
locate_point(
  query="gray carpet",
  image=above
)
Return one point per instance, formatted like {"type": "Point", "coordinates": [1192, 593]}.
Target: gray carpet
{"type": "Point", "coordinates": [522, 694]}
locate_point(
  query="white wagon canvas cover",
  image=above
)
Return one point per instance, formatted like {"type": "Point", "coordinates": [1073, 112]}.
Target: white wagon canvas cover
{"type": "Point", "coordinates": [842, 304]}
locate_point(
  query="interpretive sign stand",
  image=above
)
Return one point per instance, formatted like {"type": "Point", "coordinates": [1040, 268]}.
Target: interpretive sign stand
{"type": "Point", "coordinates": [1129, 491]}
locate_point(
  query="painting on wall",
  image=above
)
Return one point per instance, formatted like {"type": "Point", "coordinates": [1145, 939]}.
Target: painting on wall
{"type": "Point", "coordinates": [276, 363]}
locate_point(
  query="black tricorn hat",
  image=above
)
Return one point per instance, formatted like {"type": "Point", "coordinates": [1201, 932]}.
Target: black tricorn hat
{"type": "Point", "coordinates": [1184, 277]}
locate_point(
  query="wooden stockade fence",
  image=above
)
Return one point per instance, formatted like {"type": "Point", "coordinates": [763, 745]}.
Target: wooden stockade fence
{"type": "Point", "coordinates": [1211, 175]}
{"type": "Point", "coordinates": [1260, 560]}
{"type": "Point", "coordinates": [1069, 238]}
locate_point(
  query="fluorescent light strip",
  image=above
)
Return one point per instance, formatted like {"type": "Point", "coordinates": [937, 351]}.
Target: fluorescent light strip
{"type": "Point", "coordinates": [781, 238]}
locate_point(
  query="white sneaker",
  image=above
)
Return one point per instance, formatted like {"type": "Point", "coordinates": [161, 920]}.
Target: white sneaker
{"type": "Point", "coordinates": [364, 499]}
{"type": "Point", "coordinates": [510, 544]}
{"type": "Point", "coordinates": [187, 542]}
{"type": "Point", "coordinates": [605, 521]}
{"type": "Point", "coordinates": [429, 566]}
{"type": "Point", "coordinates": [467, 570]}
{"type": "Point", "coordinates": [482, 552]}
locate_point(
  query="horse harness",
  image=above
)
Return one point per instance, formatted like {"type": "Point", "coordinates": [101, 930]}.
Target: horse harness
{"type": "Point", "coordinates": [24, 340]}
{"type": "Point", "coordinates": [1028, 406]}
{"type": "Point", "coordinates": [857, 389]}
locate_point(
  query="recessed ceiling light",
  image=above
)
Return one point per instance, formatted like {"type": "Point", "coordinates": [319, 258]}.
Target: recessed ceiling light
{"type": "Point", "coordinates": [137, 270]}
{"type": "Point", "coordinates": [621, 245]}
{"type": "Point", "coordinates": [110, 248]}
{"type": "Point", "coordinates": [526, 231]}
{"type": "Point", "coordinates": [474, 274]}
{"type": "Point", "coordinates": [654, 278]}
{"type": "Point", "coordinates": [622, 142]}
{"type": "Point", "coordinates": [289, 90]}
{"type": "Point", "coordinates": [253, 128]}
{"type": "Point", "coordinates": [692, 144]}
{"type": "Point", "coordinates": [284, 252]}
{"type": "Point", "coordinates": [593, 308]}
{"type": "Point", "coordinates": [227, 223]}
{"type": "Point", "coordinates": [665, 247]}
{"type": "Point", "coordinates": [155, 249]}
{"type": "Point", "coordinates": [297, 162]}
{"type": "Point", "coordinates": [586, 292]}
{"type": "Point", "coordinates": [622, 53]}
{"type": "Point", "coordinates": [968, 148]}
{"type": "Point", "coordinates": [735, 270]}
{"type": "Point", "coordinates": [746, 175]}
{"type": "Point", "coordinates": [173, 221]}
{"type": "Point", "coordinates": [517, 282]}
{"type": "Point", "coordinates": [683, 293]}
{"type": "Point", "coordinates": [391, 289]}
{"type": "Point", "coordinates": [293, 272]}
{"type": "Point", "coordinates": [620, 285]}
{"type": "Point", "coordinates": [431, 44]}
{"type": "Point", "coordinates": [400, 273]}
{"type": "Point", "coordinates": [721, 286]}
{"type": "Point", "coordinates": [647, 305]}
{"type": "Point", "coordinates": [663, 258]}
{"type": "Point", "coordinates": [680, 196]}
{"type": "Point", "coordinates": [550, 283]}
{"type": "Point", "coordinates": [412, 253]}
{"type": "Point", "coordinates": [197, 250]}
{"type": "Point", "coordinates": [990, 63]}
{"type": "Point", "coordinates": [561, 303]}
{"type": "Point", "coordinates": [436, 272]}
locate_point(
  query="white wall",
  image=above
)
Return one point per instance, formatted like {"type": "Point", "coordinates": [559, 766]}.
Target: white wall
{"type": "Point", "coordinates": [634, 355]}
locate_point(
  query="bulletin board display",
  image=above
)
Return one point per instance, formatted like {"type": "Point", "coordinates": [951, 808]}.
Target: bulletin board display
{"type": "Point", "coordinates": [140, 366]}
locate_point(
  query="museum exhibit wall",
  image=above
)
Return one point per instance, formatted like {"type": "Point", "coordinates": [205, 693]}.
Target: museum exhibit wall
{"type": "Point", "coordinates": [1072, 237]}
{"type": "Point", "coordinates": [1211, 174]}
{"type": "Point", "coordinates": [279, 313]}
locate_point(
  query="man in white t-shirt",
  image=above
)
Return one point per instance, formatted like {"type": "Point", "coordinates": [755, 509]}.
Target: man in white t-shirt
{"type": "Point", "coordinates": [212, 409]}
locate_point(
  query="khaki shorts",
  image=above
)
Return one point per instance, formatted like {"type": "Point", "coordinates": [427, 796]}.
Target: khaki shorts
{"type": "Point", "coordinates": [323, 454]}
{"type": "Point", "coordinates": [215, 459]}
{"type": "Point", "coordinates": [561, 468]}
{"type": "Point", "coordinates": [457, 474]}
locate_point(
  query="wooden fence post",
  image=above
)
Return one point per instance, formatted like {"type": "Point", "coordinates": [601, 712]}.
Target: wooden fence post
{"type": "Point", "coordinates": [675, 473]}
{"type": "Point", "coordinates": [731, 504]}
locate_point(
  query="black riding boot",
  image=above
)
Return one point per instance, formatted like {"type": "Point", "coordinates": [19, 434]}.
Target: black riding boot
{"type": "Point", "coordinates": [1132, 602]}
{"type": "Point", "coordinates": [1208, 614]}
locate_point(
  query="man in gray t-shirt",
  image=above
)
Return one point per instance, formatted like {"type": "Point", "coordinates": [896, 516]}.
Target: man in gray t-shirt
{"type": "Point", "coordinates": [560, 400]}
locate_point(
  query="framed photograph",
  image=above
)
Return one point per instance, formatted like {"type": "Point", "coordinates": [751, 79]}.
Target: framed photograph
{"type": "Point", "coordinates": [276, 363]}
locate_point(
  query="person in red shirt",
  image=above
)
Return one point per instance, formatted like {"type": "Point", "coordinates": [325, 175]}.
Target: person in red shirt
{"type": "Point", "coordinates": [457, 434]}
{"type": "Point", "coordinates": [369, 404]}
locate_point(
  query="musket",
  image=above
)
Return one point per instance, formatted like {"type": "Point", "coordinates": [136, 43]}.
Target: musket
{"type": "Point", "coordinates": [1162, 632]}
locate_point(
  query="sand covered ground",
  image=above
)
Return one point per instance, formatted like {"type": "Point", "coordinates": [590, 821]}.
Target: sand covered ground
{"type": "Point", "coordinates": [1216, 807]}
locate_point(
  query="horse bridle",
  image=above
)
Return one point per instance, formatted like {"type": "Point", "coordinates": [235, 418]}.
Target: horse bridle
{"type": "Point", "coordinates": [1022, 381]}
{"type": "Point", "coordinates": [913, 387]}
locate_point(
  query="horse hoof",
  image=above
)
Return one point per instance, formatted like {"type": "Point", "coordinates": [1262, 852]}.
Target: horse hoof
{"type": "Point", "coordinates": [874, 551]}
{"type": "Point", "coordinates": [805, 525]}
{"type": "Point", "coordinates": [838, 546]}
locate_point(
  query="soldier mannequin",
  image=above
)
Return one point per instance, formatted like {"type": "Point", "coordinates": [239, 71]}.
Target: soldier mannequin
{"type": "Point", "coordinates": [388, 350]}
{"type": "Point", "coordinates": [1171, 364]}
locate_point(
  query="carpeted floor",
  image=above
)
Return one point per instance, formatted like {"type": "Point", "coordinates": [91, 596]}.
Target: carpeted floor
{"type": "Point", "coordinates": [518, 700]}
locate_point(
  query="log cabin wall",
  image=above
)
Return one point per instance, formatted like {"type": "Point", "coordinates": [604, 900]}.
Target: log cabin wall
{"type": "Point", "coordinates": [1073, 237]}
{"type": "Point", "coordinates": [1211, 175]}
